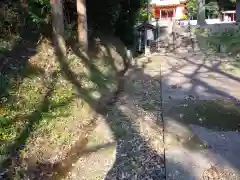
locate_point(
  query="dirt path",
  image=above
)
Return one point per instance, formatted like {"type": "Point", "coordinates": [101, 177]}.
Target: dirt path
{"type": "Point", "coordinates": [128, 143]}
{"type": "Point", "coordinates": [201, 117]}
{"type": "Point", "coordinates": [199, 139]}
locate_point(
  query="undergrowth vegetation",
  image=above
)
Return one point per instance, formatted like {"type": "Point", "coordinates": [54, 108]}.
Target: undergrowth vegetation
{"type": "Point", "coordinates": [224, 42]}
{"type": "Point", "coordinates": [42, 111]}
{"type": "Point", "coordinates": [47, 103]}
{"type": "Point", "coordinates": [221, 40]}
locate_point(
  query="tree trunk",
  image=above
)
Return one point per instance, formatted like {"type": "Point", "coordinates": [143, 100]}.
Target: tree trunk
{"type": "Point", "coordinates": [220, 15]}
{"type": "Point", "coordinates": [238, 11]}
{"type": "Point", "coordinates": [58, 27]}
{"type": "Point", "coordinates": [82, 25]}
{"type": "Point", "coordinates": [201, 13]}
{"type": "Point", "coordinates": [24, 3]}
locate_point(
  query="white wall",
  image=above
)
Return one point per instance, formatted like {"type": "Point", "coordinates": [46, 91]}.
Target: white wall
{"type": "Point", "coordinates": [208, 21]}
{"type": "Point", "coordinates": [164, 2]}
{"type": "Point", "coordinates": [185, 22]}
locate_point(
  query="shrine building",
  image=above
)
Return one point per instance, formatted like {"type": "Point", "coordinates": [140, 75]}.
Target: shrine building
{"type": "Point", "coordinates": [168, 9]}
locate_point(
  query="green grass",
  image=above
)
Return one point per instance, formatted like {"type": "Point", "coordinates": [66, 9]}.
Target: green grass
{"type": "Point", "coordinates": [44, 116]}
{"type": "Point", "coordinates": [226, 42]}
{"type": "Point", "coordinates": [7, 43]}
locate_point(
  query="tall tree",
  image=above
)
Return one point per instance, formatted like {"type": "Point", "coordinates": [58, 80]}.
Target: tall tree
{"type": "Point", "coordinates": [238, 11]}
{"type": "Point", "coordinates": [213, 10]}
{"type": "Point", "coordinates": [192, 8]}
{"type": "Point", "coordinates": [58, 27]}
{"type": "Point", "coordinates": [82, 24]}
{"type": "Point", "coordinates": [201, 13]}
{"type": "Point", "coordinates": [143, 16]}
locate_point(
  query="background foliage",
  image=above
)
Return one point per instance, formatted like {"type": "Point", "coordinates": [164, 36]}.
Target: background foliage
{"type": "Point", "coordinates": [117, 17]}
{"type": "Point", "coordinates": [213, 7]}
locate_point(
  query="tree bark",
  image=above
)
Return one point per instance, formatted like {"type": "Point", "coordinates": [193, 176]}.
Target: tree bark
{"type": "Point", "coordinates": [201, 13]}
{"type": "Point", "coordinates": [82, 25]}
{"type": "Point", "coordinates": [238, 11]}
{"type": "Point", "coordinates": [58, 27]}
{"type": "Point", "coordinates": [24, 3]}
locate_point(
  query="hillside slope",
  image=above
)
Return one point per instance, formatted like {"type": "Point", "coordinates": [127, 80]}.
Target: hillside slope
{"type": "Point", "coordinates": [49, 104]}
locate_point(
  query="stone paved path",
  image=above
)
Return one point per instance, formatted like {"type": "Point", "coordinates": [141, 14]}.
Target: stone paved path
{"type": "Point", "coordinates": [195, 150]}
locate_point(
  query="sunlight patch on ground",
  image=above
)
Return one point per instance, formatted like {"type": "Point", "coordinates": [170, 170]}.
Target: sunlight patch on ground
{"type": "Point", "coordinates": [203, 133]}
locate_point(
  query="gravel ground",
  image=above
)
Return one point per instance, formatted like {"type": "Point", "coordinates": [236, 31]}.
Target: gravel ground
{"type": "Point", "coordinates": [135, 126]}
{"type": "Point", "coordinates": [129, 140]}
{"type": "Point", "coordinates": [200, 102]}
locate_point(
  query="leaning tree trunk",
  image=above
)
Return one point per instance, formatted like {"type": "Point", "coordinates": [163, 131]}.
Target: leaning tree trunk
{"type": "Point", "coordinates": [58, 27]}
{"type": "Point", "coordinates": [82, 24]}
{"type": "Point", "coordinates": [201, 13]}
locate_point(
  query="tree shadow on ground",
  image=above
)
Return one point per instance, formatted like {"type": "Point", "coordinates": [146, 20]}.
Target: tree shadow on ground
{"type": "Point", "coordinates": [35, 117]}
{"type": "Point", "coordinates": [13, 63]}
{"type": "Point", "coordinates": [148, 100]}
{"type": "Point", "coordinates": [14, 67]}
{"type": "Point", "coordinates": [214, 114]}
{"type": "Point", "coordinates": [32, 120]}
{"type": "Point", "coordinates": [135, 158]}
{"type": "Point", "coordinates": [206, 111]}
{"type": "Point", "coordinates": [99, 106]}
{"type": "Point", "coordinates": [133, 150]}
{"type": "Point", "coordinates": [25, 49]}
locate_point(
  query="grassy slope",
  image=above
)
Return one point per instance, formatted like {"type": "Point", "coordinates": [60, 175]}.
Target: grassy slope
{"type": "Point", "coordinates": [223, 39]}
{"type": "Point", "coordinates": [44, 110]}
